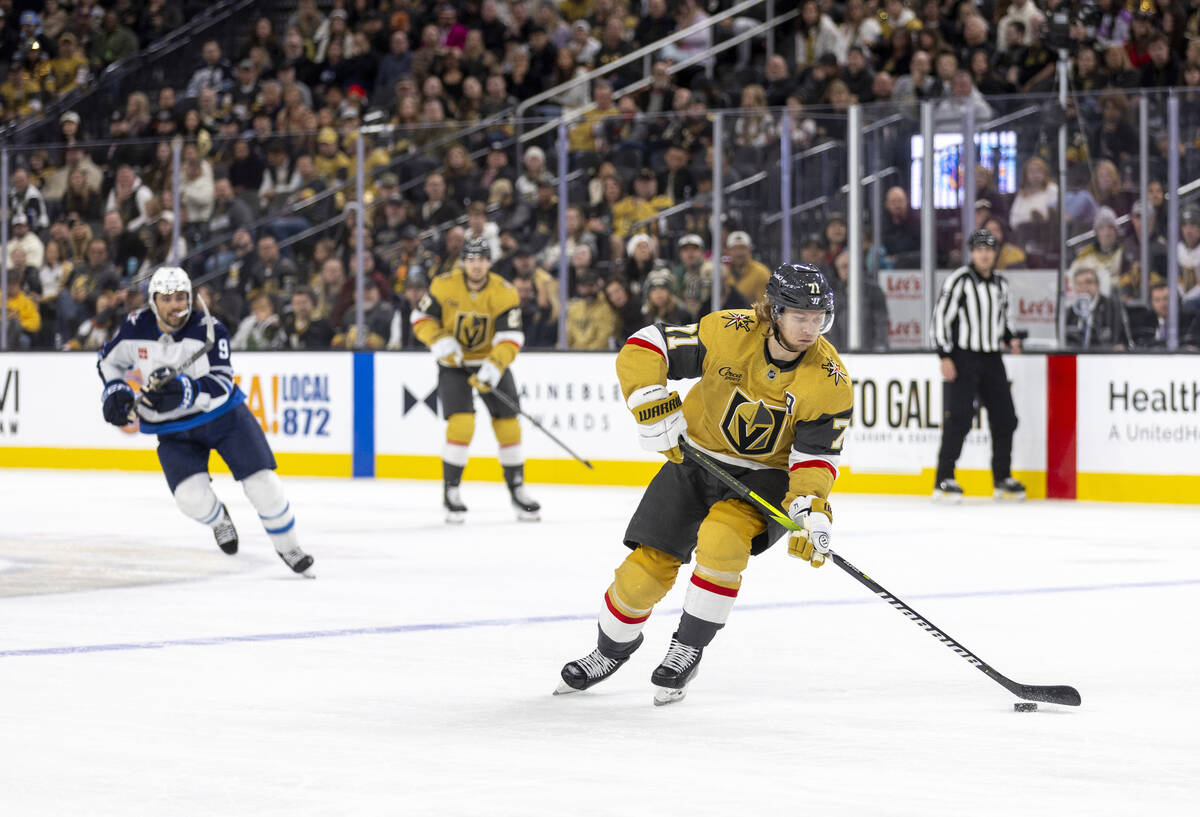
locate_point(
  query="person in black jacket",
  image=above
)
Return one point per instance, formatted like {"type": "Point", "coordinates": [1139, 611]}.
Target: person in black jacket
{"type": "Point", "coordinates": [873, 323]}
{"type": "Point", "coordinates": [301, 330]}
{"type": "Point", "coordinates": [970, 330]}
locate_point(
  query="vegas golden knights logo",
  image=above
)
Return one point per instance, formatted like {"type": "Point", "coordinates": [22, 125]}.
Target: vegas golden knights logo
{"type": "Point", "coordinates": [472, 330]}
{"type": "Point", "coordinates": [752, 427]}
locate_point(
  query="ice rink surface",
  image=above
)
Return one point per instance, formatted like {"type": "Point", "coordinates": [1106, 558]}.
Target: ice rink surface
{"type": "Point", "coordinates": [143, 672]}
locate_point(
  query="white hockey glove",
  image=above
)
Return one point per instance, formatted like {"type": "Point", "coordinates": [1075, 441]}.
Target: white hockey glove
{"type": "Point", "coordinates": [815, 517]}
{"type": "Point", "coordinates": [448, 351]}
{"type": "Point", "coordinates": [487, 377]}
{"type": "Point", "coordinates": [660, 420]}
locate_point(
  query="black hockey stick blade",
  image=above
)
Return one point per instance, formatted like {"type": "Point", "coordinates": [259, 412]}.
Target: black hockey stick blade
{"type": "Point", "coordinates": [1065, 695]}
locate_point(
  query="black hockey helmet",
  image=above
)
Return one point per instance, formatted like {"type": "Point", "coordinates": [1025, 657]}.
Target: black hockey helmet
{"type": "Point", "coordinates": [981, 238]}
{"type": "Point", "coordinates": [477, 247]}
{"type": "Point", "coordinates": [800, 286]}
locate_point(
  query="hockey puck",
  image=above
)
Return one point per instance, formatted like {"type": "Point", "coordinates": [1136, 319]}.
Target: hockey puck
{"type": "Point", "coordinates": [1024, 706]}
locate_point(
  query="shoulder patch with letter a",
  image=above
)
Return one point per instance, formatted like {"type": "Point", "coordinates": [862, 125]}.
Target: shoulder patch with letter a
{"type": "Point", "coordinates": [752, 427]}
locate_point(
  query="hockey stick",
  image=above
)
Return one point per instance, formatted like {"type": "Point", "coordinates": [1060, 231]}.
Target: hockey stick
{"type": "Point", "coordinates": [512, 404]}
{"type": "Point", "coordinates": [1030, 692]}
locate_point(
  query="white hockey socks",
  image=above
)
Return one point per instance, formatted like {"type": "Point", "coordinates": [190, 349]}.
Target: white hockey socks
{"type": "Point", "coordinates": [196, 499]}
{"type": "Point", "coordinates": [265, 492]}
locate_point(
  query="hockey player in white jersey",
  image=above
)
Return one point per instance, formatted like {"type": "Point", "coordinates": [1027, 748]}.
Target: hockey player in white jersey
{"type": "Point", "coordinates": [190, 401]}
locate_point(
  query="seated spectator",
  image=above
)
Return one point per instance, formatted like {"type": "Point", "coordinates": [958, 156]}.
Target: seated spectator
{"type": "Point", "coordinates": [128, 197]}
{"type": "Point", "coordinates": [26, 240]}
{"type": "Point", "coordinates": [540, 330]}
{"type": "Point", "coordinates": [1094, 320]}
{"type": "Point", "coordinates": [389, 221]}
{"type": "Point", "coordinates": [1129, 284]}
{"type": "Point", "coordinates": [626, 307]}
{"type": "Point", "coordinates": [450, 258]}
{"type": "Point", "coordinates": [948, 114]}
{"type": "Point", "coordinates": [693, 275]}
{"type": "Point", "coordinates": [196, 192]}
{"type": "Point", "coordinates": [661, 304]}
{"type": "Point", "coordinates": [277, 275]}
{"type": "Point", "coordinates": [545, 285]}
{"type": "Point", "coordinates": [301, 330]}
{"type": "Point", "coordinates": [123, 246]}
{"type": "Point", "coordinates": [69, 69]}
{"type": "Point", "coordinates": [901, 230]}
{"type": "Point", "coordinates": [1037, 196]}
{"type": "Point", "coordinates": [112, 43]}
{"type": "Point", "coordinates": [214, 74]}
{"type": "Point", "coordinates": [478, 226]}
{"type": "Point", "coordinates": [228, 213]}
{"type": "Point", "coordinates": [577, 233]}
{"type": "Point", "coordinates": [591, 320]}
{"type": "Point", "coordinates": [26, 198]}
{"type": "Point", "coordinates": [259, 331]}
{"type": "Point", "coordinates": [872, 324]}
{"type": "Point", "coordinates": [436, 210]}
{"type": "Point", "coordinates": [642, 206]}
{"type": "Point", "coordinates": [1008, 254]}
{"type": "Point", "coordinates": [24, 318]}
{"type": "Point", "coordinates": [1188, 253]}
{"type": "Point", "coordinates": [379, 320]}
{"type": "Point", "coordinates": [640, 261]}
{"type": "Point", "coordinates": [161, 246]}
{"type": "Point", "coordinates": [1104, 255]}
{"type": "Point", "coordinates": [816, 35]}
{"type": "Point", "coordinates": [834, 235]}
{"type": "Point", "coordinates": [746, 276]}
{"type": "Point", "coordinates": [534, 173]}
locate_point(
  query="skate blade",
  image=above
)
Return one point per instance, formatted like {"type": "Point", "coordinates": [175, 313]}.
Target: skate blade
{"type": "Point", "coordinates": [565, 689]}
{"type": "Point", "coordinates": [455, 517]}
{"type": "Point", "coordinates": [946, 498]}
{"type": "Point", "coordinates": [665, 695]}
{"type": "Point", "coordinates": [528, 516]}
{"type": "Point", "coordinates": [1010, 496]}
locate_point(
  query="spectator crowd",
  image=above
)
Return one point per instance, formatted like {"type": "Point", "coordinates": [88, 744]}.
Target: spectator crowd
{"type": "Point", "coordinates": [268, 121]}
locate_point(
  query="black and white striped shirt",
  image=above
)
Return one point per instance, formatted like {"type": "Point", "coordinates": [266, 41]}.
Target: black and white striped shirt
{"type": "Point", "coordinates": [971, 313]}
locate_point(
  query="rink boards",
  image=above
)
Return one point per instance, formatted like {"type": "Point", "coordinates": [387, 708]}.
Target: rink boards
{"type": "Point", "coordinates": [1120, 427]}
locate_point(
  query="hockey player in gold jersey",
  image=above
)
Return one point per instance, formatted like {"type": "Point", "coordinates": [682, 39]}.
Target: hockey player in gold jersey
{"type": "Point", "coordinates": [772, 404]}
{"type": "Point", "coordinates": [471, 321]}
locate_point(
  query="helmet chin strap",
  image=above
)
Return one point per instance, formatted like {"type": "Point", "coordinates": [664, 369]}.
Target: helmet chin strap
{"type": "Point", "coordinates": [778, 337]}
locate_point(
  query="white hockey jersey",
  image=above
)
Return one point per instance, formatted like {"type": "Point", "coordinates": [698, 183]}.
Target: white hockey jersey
{"type": "Point", "coordinates": [140, 344]}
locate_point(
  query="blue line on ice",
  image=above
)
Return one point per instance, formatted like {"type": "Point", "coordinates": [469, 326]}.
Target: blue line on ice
{"type": "Point", "coordinates": [525, 620]}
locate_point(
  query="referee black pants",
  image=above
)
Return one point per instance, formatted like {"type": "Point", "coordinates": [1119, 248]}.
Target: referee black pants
{"type": "Point", "coordinates": [980, 375]}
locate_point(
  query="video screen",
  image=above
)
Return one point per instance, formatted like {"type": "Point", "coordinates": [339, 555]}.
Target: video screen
{"type": "Point", "coordinates": [997, 152]}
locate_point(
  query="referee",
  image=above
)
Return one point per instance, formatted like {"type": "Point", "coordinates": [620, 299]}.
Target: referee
{"type": "Point", "coordinates": [970, 330]}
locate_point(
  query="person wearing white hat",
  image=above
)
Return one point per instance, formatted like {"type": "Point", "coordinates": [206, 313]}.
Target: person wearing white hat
{"type": "Point", "coordinates": [745, 275]}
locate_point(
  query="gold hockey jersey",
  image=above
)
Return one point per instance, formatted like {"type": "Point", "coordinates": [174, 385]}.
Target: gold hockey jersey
{"type": "Point", "coordinates": [746, 410]}
{"type": "Point", "coordinates": [486, 323]}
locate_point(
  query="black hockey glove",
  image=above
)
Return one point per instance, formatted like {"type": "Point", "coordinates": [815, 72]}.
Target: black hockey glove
{"type": "Point", "coordinates": [118, 402]}
{"type": "Point", "coordinates": [177, 393]}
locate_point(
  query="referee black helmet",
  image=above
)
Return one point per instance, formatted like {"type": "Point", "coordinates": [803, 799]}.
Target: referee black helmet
{"type": "Point", "coordinates": [981, 238]}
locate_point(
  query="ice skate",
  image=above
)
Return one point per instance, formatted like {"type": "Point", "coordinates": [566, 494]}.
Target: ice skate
{"type": "Point", "coordinates": [298, 561]}
{"type": "Point", "coordinates": [456, 511]}
{"type": "Point", "coordinates": [225, 533]}
{"type": "Point", "coordinates": [948, 491]}
{"type": "Point", "coordinates": [677, 669]}
{"type": "Point", "coordinates": [1009, 489]}
{"type": "Point", "coordinates": [528, 510]}
{"type": "Point", "coordinates": [593, 668]}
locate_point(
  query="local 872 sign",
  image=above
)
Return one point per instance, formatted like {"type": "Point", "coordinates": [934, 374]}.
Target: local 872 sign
{"type": "Point", "coordinates": [302, 402]}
